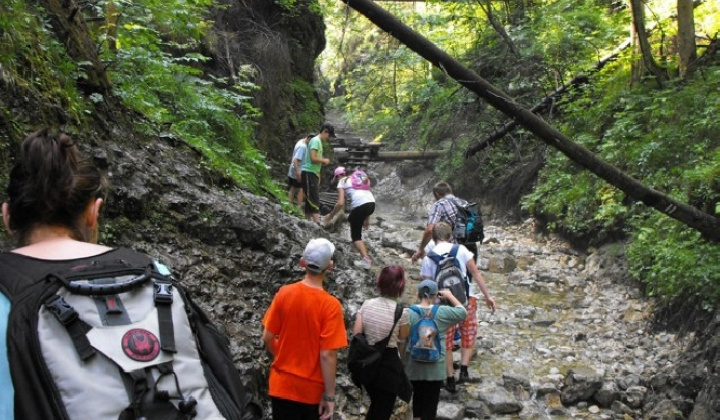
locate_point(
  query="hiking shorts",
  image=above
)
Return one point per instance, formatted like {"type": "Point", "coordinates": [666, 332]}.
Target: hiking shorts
{"type": "Point", "coordinates": [357, 218]}
{"type": "Point", "coordinates": [468, 328]}
{"type": "Point", "coordinates": [311, 188]}
{"type": "Point", "coordinates": [293, 183]}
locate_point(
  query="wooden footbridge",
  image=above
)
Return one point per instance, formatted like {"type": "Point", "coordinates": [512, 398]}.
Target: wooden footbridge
{"type": "Point", "coordinates": [355, 152]}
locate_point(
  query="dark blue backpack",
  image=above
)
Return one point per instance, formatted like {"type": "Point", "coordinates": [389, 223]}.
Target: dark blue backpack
{"type": "Point", "coordinates": [425, 337]}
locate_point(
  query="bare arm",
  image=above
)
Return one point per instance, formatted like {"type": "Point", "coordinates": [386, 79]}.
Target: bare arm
{"type": "Point", "coordinates": [328, 363]}
{"type": "Point", "coordinates": [427, 235]}
{"type": "Point", "coordinates": [480, 281]}
{"type": "Point", "coordinates": [269, 340]}
{"type": "Point", "coordinates": [449, 297]}
{"type": "Point", "coordinates": [358, 327]}
{"type": "Point", "coordinates": [296, 165]}
{"type": "Point", "coordinates": [403, 333]}
{"type": "Point", "coordinates": [338, 205]}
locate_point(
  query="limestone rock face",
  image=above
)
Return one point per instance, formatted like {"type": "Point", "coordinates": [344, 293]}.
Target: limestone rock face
{"type": "Point", "coordinates": [280, 48]}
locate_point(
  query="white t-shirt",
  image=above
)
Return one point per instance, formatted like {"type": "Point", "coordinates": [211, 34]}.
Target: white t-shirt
{"type": "Point", "coordinates": [356, 197]}
{"type": "Point", "coordinates": [427, 270]}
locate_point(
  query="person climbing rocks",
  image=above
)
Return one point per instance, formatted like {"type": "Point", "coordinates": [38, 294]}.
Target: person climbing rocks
{"type": "Point", "coordinates": [362, 206]}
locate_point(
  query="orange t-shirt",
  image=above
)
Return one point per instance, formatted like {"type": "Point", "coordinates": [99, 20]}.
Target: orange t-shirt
{"type": "Point", "coordinates": [305, 321]}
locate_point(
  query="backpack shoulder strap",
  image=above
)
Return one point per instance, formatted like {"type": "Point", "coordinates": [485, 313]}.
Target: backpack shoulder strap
{"type": "Point", "coordinates": [435, 257]}
{"type": "Point", "coordinates": [433, 311]}
{"type": "Point", "coordinates": [454, 250]}
{"type": "Point", "coordinates": [416, 309]}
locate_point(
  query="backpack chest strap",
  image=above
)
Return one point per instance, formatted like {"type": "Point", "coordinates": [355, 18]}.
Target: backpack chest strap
{"type": "Point", "coordinates": [76, 327]}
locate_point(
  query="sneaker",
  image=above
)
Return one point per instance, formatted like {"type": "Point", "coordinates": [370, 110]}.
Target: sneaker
{"type": "Point", "coordinates": [450, 384]}
{"type": "Point", "coordinates": [464, 377]}
{"type": "Point", "coordinates": [363, 263]}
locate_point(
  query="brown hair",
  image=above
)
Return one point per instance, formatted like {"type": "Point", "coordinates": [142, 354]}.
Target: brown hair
{"type": "Point", "coordinates": [441, 189]}
{"type": "Point", "coordinates": [51, 185]}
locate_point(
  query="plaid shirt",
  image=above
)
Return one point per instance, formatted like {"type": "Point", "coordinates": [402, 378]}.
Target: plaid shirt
{"type": "Point", "coordinates": [444, 211]}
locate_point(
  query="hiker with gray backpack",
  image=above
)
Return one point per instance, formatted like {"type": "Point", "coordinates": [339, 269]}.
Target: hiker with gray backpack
{"type": "Point", "coordinates": [451, 266]}
{"type": "Point", "coordinates": [425, 353]}
{"type": "Point", "coordinates": [93, 332]}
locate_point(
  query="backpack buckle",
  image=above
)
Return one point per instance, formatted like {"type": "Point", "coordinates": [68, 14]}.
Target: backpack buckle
{"type": "Point", "coordinates": [163, 292]}
{"type": "Point", "coordinates": [61, 309]}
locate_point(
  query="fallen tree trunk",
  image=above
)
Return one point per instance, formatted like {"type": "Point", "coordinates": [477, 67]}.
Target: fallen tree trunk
{"type": "Point", "coordinates": [705, 223]}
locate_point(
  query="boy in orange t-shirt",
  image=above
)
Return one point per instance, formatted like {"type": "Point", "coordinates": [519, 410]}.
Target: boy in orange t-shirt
{"type": "Point", "coordinates": [304, 328]}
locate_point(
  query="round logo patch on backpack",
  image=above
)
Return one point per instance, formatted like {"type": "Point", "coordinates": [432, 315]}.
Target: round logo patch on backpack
{"type": "Point", "coordinates": [140, 345]}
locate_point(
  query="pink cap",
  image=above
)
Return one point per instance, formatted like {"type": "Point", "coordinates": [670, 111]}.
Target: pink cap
{"type": "Point", "coordinates": [340, 170]}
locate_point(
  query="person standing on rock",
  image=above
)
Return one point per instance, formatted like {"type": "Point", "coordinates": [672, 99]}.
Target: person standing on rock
{"type": "Point", "coordinates": [444, 210]}
{"type": "Point", "coordinates": [303, 330]}
{"type": "Point", "coordinates": [442, 236]}
{"type": "Point", "coordinates": [427, 378]}
{"type": "Point", "coordinates": [295, 189]}
{"type": "Point", "coordinates": [310, 171]}
{"type": "Point", "coordinates": [362, 205]}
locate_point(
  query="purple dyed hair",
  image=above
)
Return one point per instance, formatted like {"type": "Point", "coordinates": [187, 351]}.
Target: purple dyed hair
{"type": "Point", "coordinates": [391, 281]}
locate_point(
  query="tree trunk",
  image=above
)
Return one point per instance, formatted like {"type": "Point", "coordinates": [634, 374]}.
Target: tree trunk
{"type": "Point", "coordinates": [638, 18]}
{"type": "Point", "coordinates": [68, 23]}
{"type": "Point", "coordinates": [487, 9]}
{"type": "Point", "coordinates": [686, 37]}
{"type": "Point", "coordinates": [707, 224]}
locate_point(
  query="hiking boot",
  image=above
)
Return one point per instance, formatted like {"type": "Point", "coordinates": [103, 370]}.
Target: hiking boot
{"type": "Point", "coordinates": [450, 384]}
{"type": "Point", "coordinates": [363, 263]}
{"type": "Point", "coordinates": [464, 377]}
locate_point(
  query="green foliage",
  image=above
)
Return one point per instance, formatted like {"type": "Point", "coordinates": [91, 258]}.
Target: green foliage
{"type": "Point", "coordinates": [310, 115]}
{"type": "Point", "coordinates": [158, 73]}
{"type": "Point", "coordinates": [32, 59]}
{"type": "Point", "coordinates": [665, 138]}
{"type": "Point", "coordinates": [675, 263]}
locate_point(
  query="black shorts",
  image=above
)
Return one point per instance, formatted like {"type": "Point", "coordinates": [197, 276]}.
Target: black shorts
{"type": "Point", "coordinates": [293, 183]}
{"type": "Point", "coordinates": [311, 187]}
{"type": "Point", "coordinates": [357, 218]}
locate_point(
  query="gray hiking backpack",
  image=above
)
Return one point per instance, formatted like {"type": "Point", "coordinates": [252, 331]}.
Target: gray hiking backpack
{"type": "Point", "coordinates": [114, 337]}
{"type": "Point", "coordinates": [449, 275]}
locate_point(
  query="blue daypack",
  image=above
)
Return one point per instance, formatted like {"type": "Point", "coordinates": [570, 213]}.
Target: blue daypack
{"type": "Point", "coordinates": [425, 337]}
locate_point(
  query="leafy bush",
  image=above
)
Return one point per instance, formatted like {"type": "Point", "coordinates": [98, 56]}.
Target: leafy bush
{"type": "Point", "coordinates": [674, 263]}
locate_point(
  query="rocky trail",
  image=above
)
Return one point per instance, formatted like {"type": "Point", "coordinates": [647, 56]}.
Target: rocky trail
{"type": "Point", "coordinates": [570, 338]}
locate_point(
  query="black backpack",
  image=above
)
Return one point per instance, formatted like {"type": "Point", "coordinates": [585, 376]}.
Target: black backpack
{"type": "Point", "coordinates": [468, 226]}
{"type": "Point", "coordinates": [449, 275]}
{"type": "Point", "coordinates": [364, 359]}
{"type": "Point", "coordinates": [114, 336]}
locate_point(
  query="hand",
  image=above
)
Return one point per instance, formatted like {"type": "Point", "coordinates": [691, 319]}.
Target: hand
{"type": "Point", "coordinates": [417, 255]}
{"type": "Point", "coordinates": [327, 408]}
{"type": "Point", "coordinates": [490, 303]}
